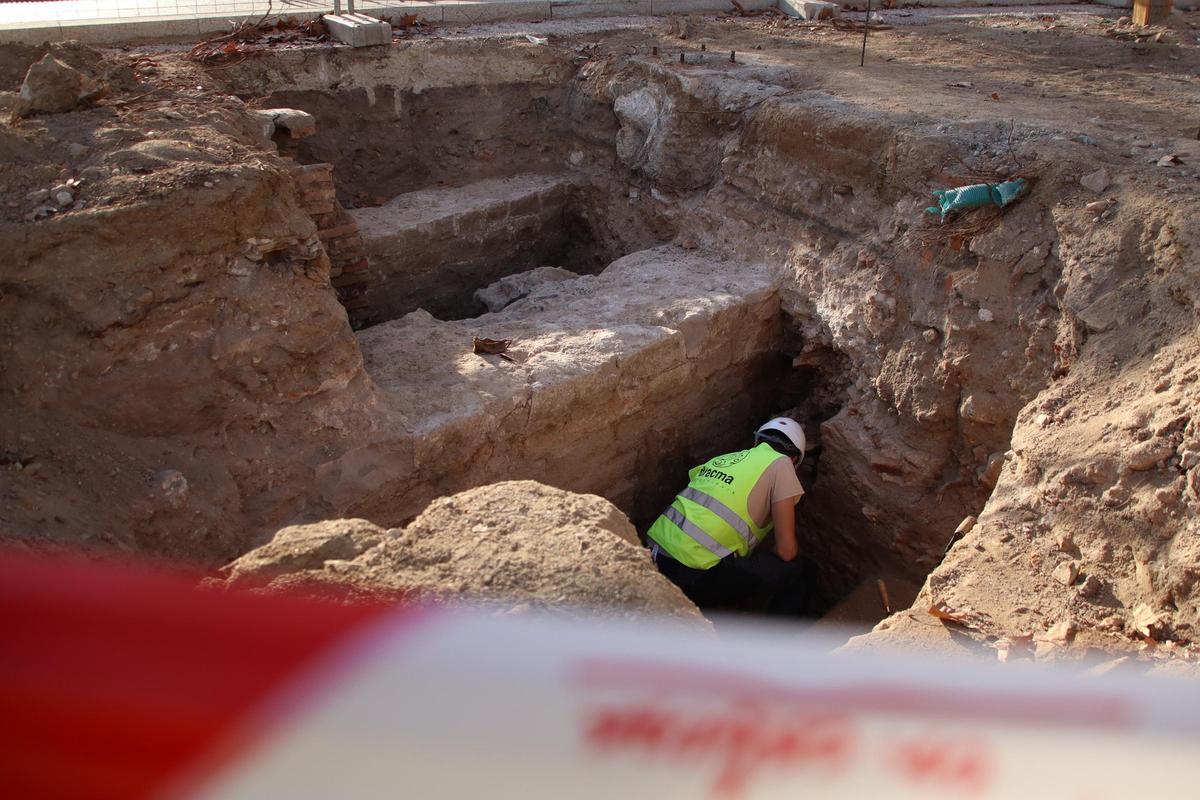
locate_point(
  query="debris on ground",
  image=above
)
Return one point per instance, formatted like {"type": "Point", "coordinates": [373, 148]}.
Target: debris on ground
{"type": "Point", "coordinates": [493, 347]}
{"type": "Point", "coordinates": [964, 198]}
{"type": "Point", "coordinates": [1097, 181]}
{"type": "Point", "coordinates": [250, 37]}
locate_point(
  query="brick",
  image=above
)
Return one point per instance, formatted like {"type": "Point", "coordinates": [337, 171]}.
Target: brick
{"type": "Point", "coordinates": [315, 173]}
{"type": "Point", "coordinates": [343, 249]}
{"type": "Point", "coordinates": [328, 220]}
{"type": "Point", "coordinates": [346, 284]}
{"type": "Point", "coordinates": [324, 207]}
{"type": "Point", "coordinates": [360, 265]}
{"type": "Point", "coordinates": [357, 303]}
{"type": "Point", "coordinates": [324, 195]}
{"type": "Point", "coordinates": [340, 230]}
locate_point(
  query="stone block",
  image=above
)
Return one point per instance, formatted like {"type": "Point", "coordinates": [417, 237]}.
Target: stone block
{"type": "Point", "coordinates": [809, 9]}
{"type": "Point", "coordinates": [358, 30]}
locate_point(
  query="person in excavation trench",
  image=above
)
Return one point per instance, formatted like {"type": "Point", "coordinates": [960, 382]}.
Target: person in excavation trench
{"type": "Point", "coordinates": [706, 542]}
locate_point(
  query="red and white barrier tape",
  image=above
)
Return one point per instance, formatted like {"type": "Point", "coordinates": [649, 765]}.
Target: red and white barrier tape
{"type": "Point", "coordinates": [119, 683]}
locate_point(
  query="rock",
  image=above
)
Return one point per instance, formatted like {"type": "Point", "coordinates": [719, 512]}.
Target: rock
{"type": "Point", "coordinates": [1097, 181]}
{"type": "Point", "coordinates": [1148, 454]}
{"type": "Point", "coordinates": [77, 150]}
{"type": "Point", "coordinates": [51, 87]}
{"type": "Point", "coordinates": [981, 408]}
{"type": "Point", "coordinates": [1065, 542]}
{"type": "Point", "coordinates": [297, 124]}
{"type": "Point", "coordinates": [173, 487]}
{"type": "Point", "coordinates": [1117, 495]}
{"type": "Point", "coordinates": [1098, 206]}
{"type": "Point", "coordinates": [511, 288]}
{"type": "Point", "coordinates": [1062, 631]}
{"type": "Point", "coordinates": [1169, 160]}
{"type": "Point", "coordinates": [518, 542]}
{"type": "Point", "coordinates": [63, 197]}
{"type": "Point", "coordinates": [304, 548]}
{"type": "Point", "coordinates": [1148, 622]}
{"type": "Point", "coordinates": [985, 315]}
{"type": "Point", "coordinates": [930, 335]}
{"type": "Point", "coordinates": [1091, 587]}
{"type": "Point", "coordinates": [1066, 572]}
{"type": "Point", "coordinates": [1167, 496]}
{"type": "Point", "coordinates": [38, 195]}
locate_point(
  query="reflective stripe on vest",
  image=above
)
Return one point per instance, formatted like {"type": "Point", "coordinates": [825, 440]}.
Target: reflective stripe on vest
{"type": "Point", "coordinates": [703, 539]}
{"type": "Point", "coordinates": [724, 512]}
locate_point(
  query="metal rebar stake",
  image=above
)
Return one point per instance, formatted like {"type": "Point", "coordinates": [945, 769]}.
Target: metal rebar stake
{"type": "Point", "coordinates": [862, 60]}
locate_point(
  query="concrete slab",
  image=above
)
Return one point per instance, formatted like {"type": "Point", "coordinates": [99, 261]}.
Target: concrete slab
{"type": "Point", "coordinates": [810, 9]}
{"type": "Point", "coordinates": [358, 30]}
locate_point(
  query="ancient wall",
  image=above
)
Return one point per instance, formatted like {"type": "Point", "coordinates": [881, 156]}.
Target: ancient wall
{"type": "Point", "coordinates": [338, 231]}
{"type": "Point", "coordinates": [618, 384]}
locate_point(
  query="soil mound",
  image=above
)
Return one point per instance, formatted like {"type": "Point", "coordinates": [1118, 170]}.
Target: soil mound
{"type": "Point", "coordinates": [517, 542]}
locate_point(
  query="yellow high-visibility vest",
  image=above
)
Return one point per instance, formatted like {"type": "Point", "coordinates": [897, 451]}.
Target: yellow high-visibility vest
{"type": "Point", "coordinates": [710, 519]}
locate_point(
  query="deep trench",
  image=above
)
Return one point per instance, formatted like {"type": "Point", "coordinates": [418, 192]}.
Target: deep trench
{"type": "Point", "coordinates": [447, 140]}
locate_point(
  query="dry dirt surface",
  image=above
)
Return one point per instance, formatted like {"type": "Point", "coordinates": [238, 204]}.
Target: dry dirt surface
{"type": "Point", "coordinates": [179, 380]}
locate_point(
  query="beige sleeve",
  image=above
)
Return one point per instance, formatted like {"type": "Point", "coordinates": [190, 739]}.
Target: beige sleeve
{"type": "Point", "coordinates": [778, 482]}
{"type": "Point", "coordinates": [785, 482]}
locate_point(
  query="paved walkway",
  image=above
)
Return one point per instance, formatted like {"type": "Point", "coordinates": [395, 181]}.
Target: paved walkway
{"type": "Point", "coordinates": [21, 14]}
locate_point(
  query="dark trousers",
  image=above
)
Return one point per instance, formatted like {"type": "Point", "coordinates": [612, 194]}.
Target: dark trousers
{"type": "Point", "coordinates": [761, 581]}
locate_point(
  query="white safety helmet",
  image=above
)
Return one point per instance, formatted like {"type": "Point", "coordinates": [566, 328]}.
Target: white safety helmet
{"type": "Point", "coordinates": [784, 431]}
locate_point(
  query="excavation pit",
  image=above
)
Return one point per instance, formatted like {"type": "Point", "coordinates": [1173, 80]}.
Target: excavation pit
{"type": "Point", "coordinates": [726, 240]}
